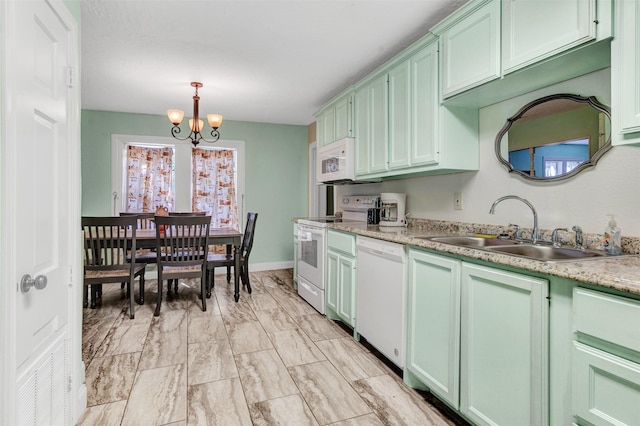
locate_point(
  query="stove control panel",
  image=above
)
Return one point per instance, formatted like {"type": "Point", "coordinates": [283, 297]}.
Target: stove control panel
{"type": "Point", "coordinates": [357, 202]}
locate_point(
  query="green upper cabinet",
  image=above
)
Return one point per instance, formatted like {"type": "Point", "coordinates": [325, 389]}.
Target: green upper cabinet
{"type": "Point", "coordinates": [399, 115]}
{"type": "Point", "coordinates": [400, 127]}
{"type": "Point", "coordinates": [625, 74]}
{"type": "Point", "coordinates": [371, 124]}
{"type": "Point", "coordinates": [413, 110]}
{"type": "Point", "coordinates": [495, 50]}
{"type": "Point", "coordinates": [470, 46]}
{"type": "Point", "coordinates": [533, 31]}
{"type": "Point", "coordinates": [335, 120]}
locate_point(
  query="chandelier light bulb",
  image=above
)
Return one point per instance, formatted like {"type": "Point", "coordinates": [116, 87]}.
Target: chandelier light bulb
{"type": "Point", "coordinates": [215, 120]}
{"type": "Point", "coordinates": [175, 116]}
{"type": "Point", "coordinates": [194, 129]}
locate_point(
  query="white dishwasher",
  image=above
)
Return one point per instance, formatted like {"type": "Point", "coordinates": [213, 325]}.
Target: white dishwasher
{"type": "Point", "coordinates": [380, 294]}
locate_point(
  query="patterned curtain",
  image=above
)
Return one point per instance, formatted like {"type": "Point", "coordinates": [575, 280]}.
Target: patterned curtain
{"type": "Point", "coordinates": [149, 179]}
{"type": "Point", "coordinates": [214, 186]}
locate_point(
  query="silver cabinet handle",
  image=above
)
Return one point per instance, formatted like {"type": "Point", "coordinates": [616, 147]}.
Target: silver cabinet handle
{"type": "Point", "coordinates": [27, 282]}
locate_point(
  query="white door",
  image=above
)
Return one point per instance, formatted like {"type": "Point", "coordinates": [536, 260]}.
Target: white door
{"type": "Point", "coordinates": [40, 219]}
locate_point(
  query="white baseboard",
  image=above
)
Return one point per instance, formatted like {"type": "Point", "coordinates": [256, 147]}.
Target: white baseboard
{"type": "Point", "coordinates": [253, 267]}
{"type": "Point", "coordinates": [267, 266]}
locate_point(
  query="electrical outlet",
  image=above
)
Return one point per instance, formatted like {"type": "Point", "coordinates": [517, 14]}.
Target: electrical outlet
{"type": "Point", "coordinates": [457, 200]}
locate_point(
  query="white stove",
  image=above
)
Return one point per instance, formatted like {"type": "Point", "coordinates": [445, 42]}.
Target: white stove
{"type": "Point", "coordinates": [312, 244]}
{"type": "Point", "coordinates": [320, 222]}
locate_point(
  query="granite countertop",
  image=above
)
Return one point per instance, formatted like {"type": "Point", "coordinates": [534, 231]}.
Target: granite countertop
{"type": "Point", "coordinates": [620, 273]}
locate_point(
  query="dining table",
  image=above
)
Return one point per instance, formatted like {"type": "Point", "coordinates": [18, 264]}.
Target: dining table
{"type": "Point", "coordinates": [146, 239]}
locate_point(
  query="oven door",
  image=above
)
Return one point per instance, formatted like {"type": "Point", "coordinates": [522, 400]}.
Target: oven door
{"type": "Point", "coordinates": [311, 253]}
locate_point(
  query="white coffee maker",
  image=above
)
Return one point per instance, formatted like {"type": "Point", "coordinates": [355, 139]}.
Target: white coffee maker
{"type": "Point", "coordinates": [392, 209]}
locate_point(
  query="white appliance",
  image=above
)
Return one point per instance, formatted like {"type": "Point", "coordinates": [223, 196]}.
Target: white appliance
{"type": "Point", "coordinates": [336, 162]}
{"type": "Point", "coordinates": [311, 258]}
{"type": "Point", "coordinates": [380, 294]}
{"type": "Point", "coordinates": [311, 250]}
{"type": "Point", "coordinates": [392, 209]}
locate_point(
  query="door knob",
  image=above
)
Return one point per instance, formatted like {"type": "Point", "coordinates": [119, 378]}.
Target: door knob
{"type": "Point", "coordinates": [27, 282]}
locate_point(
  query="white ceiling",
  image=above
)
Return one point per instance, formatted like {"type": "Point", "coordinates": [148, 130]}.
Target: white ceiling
{"type": "Point", "coordinates": [261, 60]}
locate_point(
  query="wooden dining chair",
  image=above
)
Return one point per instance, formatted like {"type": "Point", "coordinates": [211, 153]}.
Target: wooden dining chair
{"type": "Point", "coordinates": [143, 221]}
{"type": "Point", "coordinates": [216, 260]}
{"type": "Point", "coordinates": [107, 240]}
{"type": "Point", "coordinates": [181, 242]}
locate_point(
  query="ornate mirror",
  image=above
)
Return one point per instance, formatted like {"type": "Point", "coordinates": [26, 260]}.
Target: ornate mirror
{"type": "Point", "coordinates": [555, 137]}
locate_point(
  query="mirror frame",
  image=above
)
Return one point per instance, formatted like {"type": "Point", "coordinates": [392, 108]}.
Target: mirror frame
{"type": "Point", "coordinates": [592, 101]}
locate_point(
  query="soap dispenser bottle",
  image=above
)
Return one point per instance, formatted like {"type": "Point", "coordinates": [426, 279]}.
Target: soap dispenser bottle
{"type": "Point", "coordinates": [612, 237]}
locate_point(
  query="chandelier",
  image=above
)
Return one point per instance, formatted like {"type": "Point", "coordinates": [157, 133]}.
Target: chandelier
{"type": "Point", "coordinates": [195, 124]}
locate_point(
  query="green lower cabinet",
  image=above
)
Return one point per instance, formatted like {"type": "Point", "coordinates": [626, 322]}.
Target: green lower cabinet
{"type": "Point", "coordinates": [433, 324]}
{"type": "Point", "coordinates": [606, 388]}
{"type": "Point", "coordinates": [340, 291]}
{"type": "Point", "coordinates": [477, 338]}
{"type": "Point", "coordinates": [606, 359]}
{"type": "Point", "coordinates": [341, 287]}
{"type": "Point", "coordinates": [504, 347]}
{"type": "Point", "coordinates": [331, 291]}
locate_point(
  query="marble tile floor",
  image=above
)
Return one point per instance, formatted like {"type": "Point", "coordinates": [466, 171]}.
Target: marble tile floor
{"type": "Point", "coordinates": [270, 359]}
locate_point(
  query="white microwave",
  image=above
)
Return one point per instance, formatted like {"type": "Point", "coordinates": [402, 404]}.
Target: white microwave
{"type": "Point", "coordinates": [336, 162]}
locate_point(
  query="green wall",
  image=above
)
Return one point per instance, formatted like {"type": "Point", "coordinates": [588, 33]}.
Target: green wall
{"type": "Point", "coordinates": [275, 177]}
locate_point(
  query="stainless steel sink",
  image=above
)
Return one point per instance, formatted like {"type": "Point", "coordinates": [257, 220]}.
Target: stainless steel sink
{"type": "Point", "coordinates": [475, 242]}
{"type": "Point", "coordinates": [517, 248]}
{"type": "Point", "coordinates": [548, 253]}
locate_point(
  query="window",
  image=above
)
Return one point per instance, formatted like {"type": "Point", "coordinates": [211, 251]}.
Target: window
{"type": "Point", "coordinates": [560, 166]}
{"type": "Point", "coordinates": [183, 192]}
{"type": "Point", "coordinates": [214, 185]}
{"type": "Point", "coordinates": [149, 181]}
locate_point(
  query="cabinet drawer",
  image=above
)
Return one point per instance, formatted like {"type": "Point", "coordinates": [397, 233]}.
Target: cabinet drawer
{"type": "Point", "coordinates": [341, 241]}
{"type": "Point", "coordinates": [610, 318]}
{"type": "Point", "coordinates": [606, 389]}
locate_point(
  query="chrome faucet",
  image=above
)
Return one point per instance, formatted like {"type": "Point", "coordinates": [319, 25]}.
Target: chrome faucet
{"type": "Point", "coordinates": [579, 239]}
{"type": "Point", "coordinates": [534, 231]}
{"type": "Point", "coordinates": [517, 234]}
{"type": "Point", "coordinates": [554, 236]}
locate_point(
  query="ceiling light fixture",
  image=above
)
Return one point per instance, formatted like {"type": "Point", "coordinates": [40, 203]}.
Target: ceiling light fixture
{"type": "Point", "coordinates": [195, 124]}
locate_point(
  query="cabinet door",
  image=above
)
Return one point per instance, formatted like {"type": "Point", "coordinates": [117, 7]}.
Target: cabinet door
{"type": "Point", "coordinates": [532, 31]}
{"type": "Point", "coordinates": [504, 341]}
{"type": "Point", "coordinates": [371, 126]}
{"type": "Point", "coordinates": [343, 118]}
{"type": "Point", "coordinates": [625, 72]}
{"type": "Point", "coordinates": [606, 388]}
{"type": "Point", "coordinates": [378, 101]}
{"type": "Point", "coordinates": [331, 290]}
{"type": "Point", "coordinates": [361, 112]}
{"type": "Point", "coordinates": [399, 115]}
{"type": "Point", "coordinates": [347, 290]}
{"type": "Point", "coordinates": [424, 107]}
{"type": "Point", "coordinates": [433, 327]}
{"type": "Point", "coordinates": [470, 50]}
{"type": "Point", "coordinates": [329, 125]}
{"type": "Point", "coordinates": [320, 139]}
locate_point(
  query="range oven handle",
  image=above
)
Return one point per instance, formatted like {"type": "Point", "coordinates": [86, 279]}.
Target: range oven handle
{"type": "Point", "coordinates": [305, 233]}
